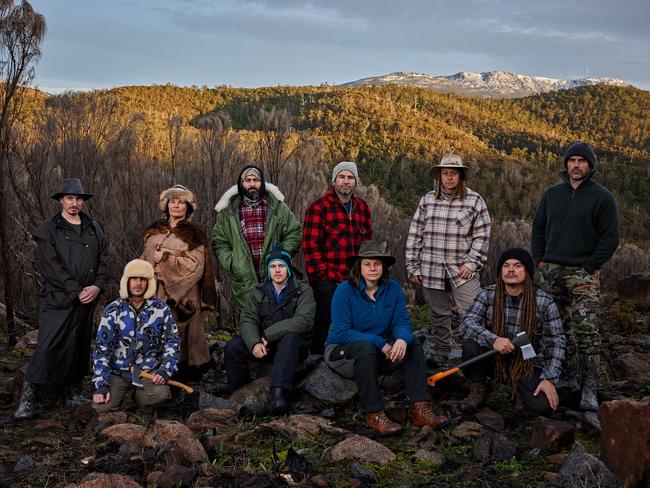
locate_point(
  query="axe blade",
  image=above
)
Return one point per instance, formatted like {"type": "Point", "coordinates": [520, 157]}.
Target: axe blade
{"type": "Point", "coordinates": [527, 350]}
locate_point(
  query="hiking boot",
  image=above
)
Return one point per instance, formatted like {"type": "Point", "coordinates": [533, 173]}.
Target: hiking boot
{"type": "Point", "coordinates": [422, 414]}
{"type": "Point", "coordinates": [279, 405]}
{"type": "Point", "coordinates": [26, 409]}
{"type": "Point", "coordinates": [475, 398]}
{"type": "Point", "coordinates": [379, 422]}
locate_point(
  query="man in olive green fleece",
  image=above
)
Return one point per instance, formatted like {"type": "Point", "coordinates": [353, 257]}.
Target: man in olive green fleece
{"type": "Point", "coordinates": [251, 218]}
{"type": "Point", "coordinates": [575, 232]}
{"type": "Point", "coordinates": [275, 327]}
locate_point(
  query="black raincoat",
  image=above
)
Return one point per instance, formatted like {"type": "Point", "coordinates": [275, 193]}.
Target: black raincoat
{"type": "Point", "coordinates": [68, 262]}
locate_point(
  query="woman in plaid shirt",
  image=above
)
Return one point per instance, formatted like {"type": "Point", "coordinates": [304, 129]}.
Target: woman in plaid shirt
{"type": "Point", "coordinates": [447, 247]}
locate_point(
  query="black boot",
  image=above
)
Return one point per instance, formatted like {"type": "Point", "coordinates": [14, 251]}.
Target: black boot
{"type": "Point", "coordinates": [475, 398]}
{"type": "Point", "coordinates": [26, 409]}
{"type": "Point", "coordinates": [279, 405]}
{"type": "Point", "coordinates": [589, 393]}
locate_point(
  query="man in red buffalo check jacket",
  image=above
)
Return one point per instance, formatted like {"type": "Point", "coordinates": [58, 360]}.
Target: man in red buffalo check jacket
{"type": "Point", "coordinates": [335, 226]}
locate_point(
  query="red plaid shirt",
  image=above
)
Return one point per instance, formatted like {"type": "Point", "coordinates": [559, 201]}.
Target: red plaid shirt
{"type": "Point", "coordinates": [253, 222]}
{"type": "Point", "coordinates": [330, 234]}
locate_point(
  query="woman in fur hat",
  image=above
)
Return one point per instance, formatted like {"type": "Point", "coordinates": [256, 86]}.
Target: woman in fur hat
{"type": "Point", "coordinates": [177, 249]}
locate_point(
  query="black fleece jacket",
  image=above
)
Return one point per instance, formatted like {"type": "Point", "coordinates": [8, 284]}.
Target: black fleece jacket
{"type": "Point", "coordinates": [576, 227]}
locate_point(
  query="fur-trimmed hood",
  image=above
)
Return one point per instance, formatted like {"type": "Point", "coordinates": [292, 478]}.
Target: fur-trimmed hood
{"type": "Point", "coordinates": [190, 232]}
{"type": "Point", "coordinates": [232, 192]}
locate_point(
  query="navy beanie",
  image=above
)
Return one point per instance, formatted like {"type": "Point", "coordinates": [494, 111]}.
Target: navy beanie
{"type": "Point", "coordinates": [581, 149]}
{"type": "Point", "coordinates": [278, 253]}
{"type": "Point", "coordinates": [520, 255]}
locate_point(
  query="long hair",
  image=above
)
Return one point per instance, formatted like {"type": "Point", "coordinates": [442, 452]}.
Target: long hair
{"type": "Point", "coordinates": [528, 306]}
{"type": "Point", "coordinates": [355, 276]}
{"type": "Point", "coordinates": [461, 189]}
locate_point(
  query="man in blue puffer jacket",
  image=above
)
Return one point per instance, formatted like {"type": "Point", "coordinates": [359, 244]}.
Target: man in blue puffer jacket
{"type": "Point", "coordinates": [137, 333]}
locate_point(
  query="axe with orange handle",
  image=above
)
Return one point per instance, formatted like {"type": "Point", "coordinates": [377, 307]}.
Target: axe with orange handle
{"type": "Point", "coordinates": [522, 341]}
{"type": "Point", "coordinates": [149, 376]}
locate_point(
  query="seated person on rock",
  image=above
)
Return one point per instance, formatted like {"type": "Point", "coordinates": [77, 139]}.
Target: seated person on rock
{"type": "Point", "coordinates": [137, 333]}
{"type": "Point", "coordinates": [371, 333]}
{"type": "Point", "coordinates": [499, 312]}
{"type": "Point", "coordinates": [275, 324]}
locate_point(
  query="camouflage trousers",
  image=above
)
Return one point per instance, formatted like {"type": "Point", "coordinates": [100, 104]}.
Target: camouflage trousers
{"type": "Point", "coordinates": [576, 295]}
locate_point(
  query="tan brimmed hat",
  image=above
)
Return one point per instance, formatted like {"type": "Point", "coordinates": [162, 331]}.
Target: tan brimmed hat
{"type": "Point", "coordinates": [449, 160]}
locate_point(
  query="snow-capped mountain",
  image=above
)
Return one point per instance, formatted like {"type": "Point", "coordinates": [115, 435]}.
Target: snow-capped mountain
{"type": "Point", "coordinates": [495, 84]}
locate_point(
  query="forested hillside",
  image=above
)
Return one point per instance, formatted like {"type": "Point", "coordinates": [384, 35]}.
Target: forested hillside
{"type": "Point", "coordinates": [396, 133]}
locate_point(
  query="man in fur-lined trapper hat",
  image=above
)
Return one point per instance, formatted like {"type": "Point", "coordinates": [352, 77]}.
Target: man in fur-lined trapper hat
{"type": "Point", "coordinates": [251, 219]}
{"type": "Point", "coordinates": [137, 333]}
{"type": "Point", "coordinates": [177, 248]}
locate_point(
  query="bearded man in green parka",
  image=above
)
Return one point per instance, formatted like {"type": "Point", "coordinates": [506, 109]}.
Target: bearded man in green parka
{"type": "Point", "coordinates": [251, 219]}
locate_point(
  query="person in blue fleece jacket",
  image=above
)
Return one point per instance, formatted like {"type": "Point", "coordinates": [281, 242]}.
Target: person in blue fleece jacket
{"type": "Point", "coordinates": [371, 333]}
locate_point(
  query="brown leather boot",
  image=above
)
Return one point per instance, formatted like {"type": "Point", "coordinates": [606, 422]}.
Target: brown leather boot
{"type": "Point", "coordinates": [422, 414]}
{"type": "Point", "coordinates": [379, 422]}
{"type": "Point", "coordinates": [474, 399]}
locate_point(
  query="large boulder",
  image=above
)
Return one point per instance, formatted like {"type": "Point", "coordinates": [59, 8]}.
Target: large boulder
{"type": "Point", "coordinates": [166, 432]}
{"type": "Point", "coordinates": [329, 387]}
{"type": "Point", "coordinates": [254, 397]}
{"type": "Point", "coordinates": [637, 288]}
{"type": "Point", "coordinates": [361, 449]}
{"type": "Point", "coordinates": [625, 439]}
{"type": "Point", "coordinates": [584, 470]}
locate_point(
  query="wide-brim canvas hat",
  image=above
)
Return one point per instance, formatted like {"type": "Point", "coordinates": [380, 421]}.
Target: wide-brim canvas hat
{"type": "Point", "coordinates": [449, 160]}
{"type": "Point", "coordinates": [71, 186]}
{"type": "Point", "coordinates": [368, 250]}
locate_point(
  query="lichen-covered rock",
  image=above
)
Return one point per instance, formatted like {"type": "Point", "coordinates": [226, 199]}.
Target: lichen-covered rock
{"type": "Point", "coordinates": [329, 387]}
{"type": "Point", "coordinates": [124, 433]}
{"type": "Point", "coordinates": [165, 432]}
{"type": "Point", "coordinates": [210, 418]}
{"type": "Point", "coordinates": [301, 427]}
{"type": "Point", "coordinates": [360, 448]}
{"type": "Point", "coordinates": [254, 397]}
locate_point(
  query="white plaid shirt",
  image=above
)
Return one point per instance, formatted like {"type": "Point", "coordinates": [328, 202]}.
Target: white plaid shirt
{"type": "Point", "coordinates": [446, 233]}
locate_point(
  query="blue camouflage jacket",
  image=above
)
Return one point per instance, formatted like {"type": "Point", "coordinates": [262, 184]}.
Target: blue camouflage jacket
{"type": "Point", "coordinates": [145, 340]}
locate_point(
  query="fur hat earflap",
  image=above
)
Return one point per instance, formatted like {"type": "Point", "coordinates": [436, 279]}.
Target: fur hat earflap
{"type": "Point", "coordinates": [138, 268]}
{"type": "Point", "coordinates": [177, 191]}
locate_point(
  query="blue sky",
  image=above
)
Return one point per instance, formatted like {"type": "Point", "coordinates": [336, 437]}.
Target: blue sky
{"type": "Point", "coordinates": [102, 44]}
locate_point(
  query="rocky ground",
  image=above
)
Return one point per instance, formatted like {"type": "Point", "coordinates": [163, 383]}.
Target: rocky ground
{"type": "Point", "coordinates": [206, 439]}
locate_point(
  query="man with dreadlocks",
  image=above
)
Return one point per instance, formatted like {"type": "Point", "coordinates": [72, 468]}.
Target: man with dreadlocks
{"type": "Point", "coordinates": [499, 312]}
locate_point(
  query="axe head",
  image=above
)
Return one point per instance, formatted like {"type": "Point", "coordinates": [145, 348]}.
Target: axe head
{"type": "Point", "coordinates": [524, 344]}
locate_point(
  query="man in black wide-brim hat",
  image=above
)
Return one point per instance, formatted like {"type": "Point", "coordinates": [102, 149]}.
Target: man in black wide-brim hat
{"type": "Point", "coordinates": [72, 261]}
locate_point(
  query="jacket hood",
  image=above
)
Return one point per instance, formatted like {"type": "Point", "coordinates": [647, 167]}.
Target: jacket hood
{"type": "Point", "coordinates": [233, 192]}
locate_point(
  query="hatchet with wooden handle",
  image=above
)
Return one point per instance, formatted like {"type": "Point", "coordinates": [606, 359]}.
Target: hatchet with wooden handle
{"type": "Point", "coordinates": [149, 376]}
{"type": "Point", "coordinates": [522, 341]}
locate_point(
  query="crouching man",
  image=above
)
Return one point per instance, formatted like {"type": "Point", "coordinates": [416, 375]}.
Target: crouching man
{"type": "Point", "coordinates": [499, 312]}
{"type": "Point", "coordinates": [275, 327]}
{"type": "Point", "coordinates": [137, 333]}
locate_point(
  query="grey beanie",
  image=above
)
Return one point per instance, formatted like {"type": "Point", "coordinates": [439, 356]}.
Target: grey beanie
{"type": "Point", "coordinates": [346, 165]}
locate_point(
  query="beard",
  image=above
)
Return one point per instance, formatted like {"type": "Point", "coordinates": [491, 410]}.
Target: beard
{"type": "Point", "coordinates": [252, 194]}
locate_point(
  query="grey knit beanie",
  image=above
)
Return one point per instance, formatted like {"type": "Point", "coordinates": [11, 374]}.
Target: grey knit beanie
{"type": "Point", "coordinates": [346, 165]}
